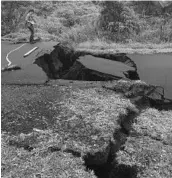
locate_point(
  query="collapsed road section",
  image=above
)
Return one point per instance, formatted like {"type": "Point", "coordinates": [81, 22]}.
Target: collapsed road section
{"type": "Point", "coordinates": [62, 61]}
{"type": "Point", "coordinates": [57, 61]}
{"type": "Point", "coordinates": [66, 63]}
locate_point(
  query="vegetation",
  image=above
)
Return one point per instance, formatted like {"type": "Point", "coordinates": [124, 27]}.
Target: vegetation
{"type": "Point", "coordinates": [98, 46]}
{"type": "Point", "coordinates": [149, 147]}
{"type": "Point", "coordinates": [40, 163]}
{"type": "Point", "coordinates": [61, 131]}
{"type": "Point", "coordinates": [83, 130]}
{"type": "Point", "coordinates": [49, 130]}
{"type": "Point", "coordinates": [79, 21]}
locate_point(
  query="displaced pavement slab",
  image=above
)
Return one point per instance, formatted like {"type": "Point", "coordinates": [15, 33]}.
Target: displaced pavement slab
{"type": "Point", "coordinates": [105, 65]}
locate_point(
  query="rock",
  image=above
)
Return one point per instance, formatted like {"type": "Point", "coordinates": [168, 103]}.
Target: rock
{"type": "Point", "coordinates": [165, 104]}
{"type": "Point", "coordinates": [141, 94]}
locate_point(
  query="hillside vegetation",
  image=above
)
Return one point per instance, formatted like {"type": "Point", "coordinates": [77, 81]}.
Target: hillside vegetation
{"type": "Point", "coordinates": [78, 22]}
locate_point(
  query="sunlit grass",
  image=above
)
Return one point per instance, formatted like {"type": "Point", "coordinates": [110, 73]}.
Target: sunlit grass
{"type": "Point", "coordinates": [82, 120]}
{"type": "Point", "coordinates": [130, 47]}
{"type": "Point", "coordinates": [149, 147]}
{"type": "Point", "coordinates": [40, 163]}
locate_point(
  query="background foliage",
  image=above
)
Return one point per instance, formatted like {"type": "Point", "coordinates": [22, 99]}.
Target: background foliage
{"type": "Point", "coordinates": [79, 21]}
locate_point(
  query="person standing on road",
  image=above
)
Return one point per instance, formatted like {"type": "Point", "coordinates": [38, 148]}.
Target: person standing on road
{"type": "Point", "coordinates": [30, 21]}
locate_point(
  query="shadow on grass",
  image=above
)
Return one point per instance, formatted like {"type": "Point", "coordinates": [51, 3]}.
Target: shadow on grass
{"type": "Point", "coordinates": [123, 171]}
{"type": "Point", "coordinates": [110, 170]}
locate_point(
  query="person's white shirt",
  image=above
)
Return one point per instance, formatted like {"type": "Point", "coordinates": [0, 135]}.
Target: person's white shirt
{"type": "Point", "coordinates": [29, 18]}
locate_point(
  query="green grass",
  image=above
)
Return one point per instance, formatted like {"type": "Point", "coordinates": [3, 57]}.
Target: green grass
{"type": "Point", "coordinates": [149, 147]}
{"type": "Point", "coordinates": [48, 131]}
{"type": "Point", "coordinates": [131, 47]}
{"type": "Point", "coordinates": [155, 124]}
{"type": "Point", "coordinates": [67, 119]}
{"type": "Point", "coordinates": [17, 162]}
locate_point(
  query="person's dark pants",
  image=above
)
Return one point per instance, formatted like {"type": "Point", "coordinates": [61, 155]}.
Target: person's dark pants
{"type": "Point", "coordinates": [31, 28]}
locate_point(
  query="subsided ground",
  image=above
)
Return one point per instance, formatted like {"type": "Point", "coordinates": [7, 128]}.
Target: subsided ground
{"type": "Point", "coordinates": [74, 129]}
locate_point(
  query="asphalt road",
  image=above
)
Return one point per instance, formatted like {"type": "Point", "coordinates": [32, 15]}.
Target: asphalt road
{"type": "Point", "coordinates": [105, 66]}
{"type": "Point", "coordinates": [29, 73]}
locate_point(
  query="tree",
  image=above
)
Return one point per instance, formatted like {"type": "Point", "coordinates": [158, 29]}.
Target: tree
{"type": "Point", "coordinates": [12, 13]}
{"type": "Point", "coordinates": [118, 20]}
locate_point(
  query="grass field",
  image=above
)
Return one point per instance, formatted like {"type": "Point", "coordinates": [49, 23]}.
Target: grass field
{"type": "Point", "coordinates": [68, 122]}
{"type": "Point", "coordinates": [59, 131]}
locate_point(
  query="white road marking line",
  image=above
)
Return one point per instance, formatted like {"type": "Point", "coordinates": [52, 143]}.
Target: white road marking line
{"type": "Point", "coordinates": [29, 52]}
{"type": "Point", "coordinates": [9, 62]}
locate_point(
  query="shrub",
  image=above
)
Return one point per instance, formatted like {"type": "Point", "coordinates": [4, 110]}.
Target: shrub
{"type": "Point", "coordinates": [118, 21]}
